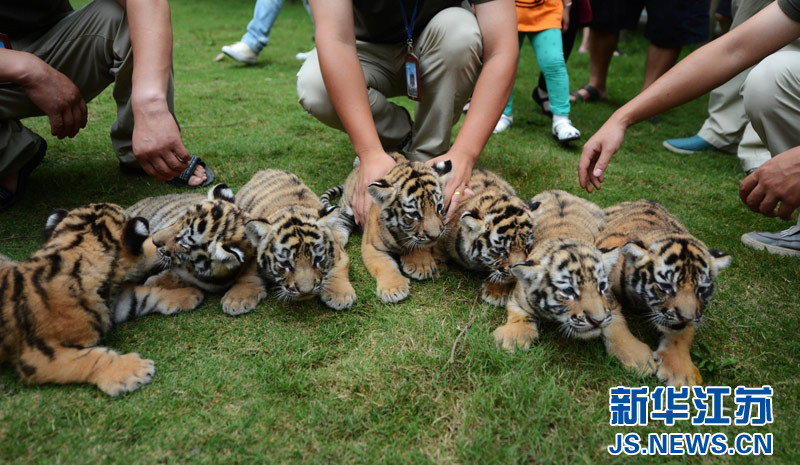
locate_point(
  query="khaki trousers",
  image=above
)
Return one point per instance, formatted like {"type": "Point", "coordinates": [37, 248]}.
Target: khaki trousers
{"type": "Point", "coordinates": [92, 47]}
{"type": "Point", "coordinates": [449, 51]}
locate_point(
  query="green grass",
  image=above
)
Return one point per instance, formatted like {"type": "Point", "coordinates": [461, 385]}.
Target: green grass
{"type": "Point", "coordinates": [298, 382]}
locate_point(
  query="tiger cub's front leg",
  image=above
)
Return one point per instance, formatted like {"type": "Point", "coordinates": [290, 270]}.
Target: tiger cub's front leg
{"type": "Point", "coordinates": [625, 347]}
{"type": "Point", "coordinates": [339, 293]}
{"type": "Point", "coordinates": [245, 294]}
{"type": "Point", "coordinates": [675, 367]}
{"type": "Point", "coordinates": [420, 264]}
{"type": "Point", "coordinates": [136, 301]}
{"type": "Point", "coordinates": [166, 279]}
{"type": "Point", "coordinates": [496, 293]}
{"type": "Point", "coordinates": [520, 330]}
{"type": "Point", "coordinates": [392, 285]}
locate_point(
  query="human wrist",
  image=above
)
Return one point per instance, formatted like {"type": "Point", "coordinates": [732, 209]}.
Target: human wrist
{"type": "Point", "coordinates": [149, 102]}
{"type": "Point", "coordinates": [25, 69]}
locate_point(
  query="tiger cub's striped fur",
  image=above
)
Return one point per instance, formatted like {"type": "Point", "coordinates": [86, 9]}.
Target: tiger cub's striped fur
{"type": "Point", "coordinates": [565, 280]}
{"type": "Point", "coordinates": [201, 240]}
{"type": "Point", "coordinates": [668, 272]}
{"type": "Point", "coordinates": [57, 305]}
{"type": "Point", "coordinates": [405, 218]}
{"type": "Point", "coordinates": [298, 244]}
{"type": "Point", "coordinates": [490, 231]}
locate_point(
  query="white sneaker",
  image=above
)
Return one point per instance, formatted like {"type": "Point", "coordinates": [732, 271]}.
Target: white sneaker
{"type": "Point", "coordinates": [564, 131]}
{"type": "Point", "coordinates": [503, 124]}
{"type": "Point", "coordinates": [241, 52]}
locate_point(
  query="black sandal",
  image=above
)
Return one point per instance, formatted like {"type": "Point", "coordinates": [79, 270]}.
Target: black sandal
{"type": "Point", "coordinates": [593, 95]}
{"type": "Point", "coordinates": [7, 198]}
{"type": "Point", "coordinates": [182, 180]}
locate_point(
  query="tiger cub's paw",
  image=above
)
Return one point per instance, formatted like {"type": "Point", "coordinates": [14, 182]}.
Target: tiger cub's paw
{"type": "Point", "coordinates": [515, 335]}
{"type": "Point", "coordinates": [340, 299]}
{"type": "Point", "coordinates": [126, 374]}
{"type": "Point", "coordinates": [420, 266]}
{"type": "Point", "coordinates": [676, 370]}
{"type": "Point", "coordinates": [180, 300]}
{"type": "Point", "coordinates": [242, 298]}
{"type": "Point", "coordinates": [393, 291]}
{"type": "Point", "coordinates": [636, 356]}
{"type": "Point", "coordinates": [165, 279]}
{"type": "Point", "coordinates": [495, 293]}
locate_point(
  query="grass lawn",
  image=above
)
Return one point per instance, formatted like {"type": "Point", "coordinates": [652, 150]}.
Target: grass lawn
{"type": "Point", "coordinates": [298, 382]}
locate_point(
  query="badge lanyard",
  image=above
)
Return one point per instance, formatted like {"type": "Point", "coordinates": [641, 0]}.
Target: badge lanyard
{"type": "Point", "coordinates": [411, 62]}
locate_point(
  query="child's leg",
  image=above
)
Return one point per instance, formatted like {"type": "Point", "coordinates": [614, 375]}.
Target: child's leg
{"type": "Point", "coordinates": [550, 55]}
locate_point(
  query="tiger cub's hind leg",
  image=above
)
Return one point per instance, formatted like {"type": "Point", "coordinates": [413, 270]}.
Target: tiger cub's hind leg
{"type": "Point", "coordinates": [245, 295]}
{"type": "Point", "coordinates": [675, 367]}
{"type": "Point", "coordinates": [339, 293]}
{"type": "Point", "coordinates": [113, 373]}
{"type": "Point", "coordinates": [496, 293]}
{"type": "Point", "coordinates": [625, 347]}
{"type": "Point", "coordinates": [420, 264]}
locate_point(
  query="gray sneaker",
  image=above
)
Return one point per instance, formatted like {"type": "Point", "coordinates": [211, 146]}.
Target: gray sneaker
{"type": "Point", "coordinates": [786, 242]}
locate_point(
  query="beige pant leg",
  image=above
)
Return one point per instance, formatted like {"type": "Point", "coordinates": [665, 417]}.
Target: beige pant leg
{"type": "Point", "coordinates": [752, 153]}
{"type": "Point", "coordinates": [726, 117]}
{"type": "Point", "coordinates": [382, 65]}
{"type": "Point", "coordinates": [772, 100]}
{"type": "Point", "coordinates": [449, 50]}
{"type": "Point", "coordinates": [92, 47]}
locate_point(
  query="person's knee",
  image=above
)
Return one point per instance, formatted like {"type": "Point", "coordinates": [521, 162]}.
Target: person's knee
{"type": "Point", "coordinates": [313, 96]}
{"type": "Point", "coordinates": [458, 38]}
{"type": "Point", "coordinates": [776, 79]}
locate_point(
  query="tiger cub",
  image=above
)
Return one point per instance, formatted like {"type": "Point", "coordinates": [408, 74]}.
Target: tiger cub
{"type": "Point", "coordinates": [669, 273]}
{"type": "Point", "coordinates": [200, 240]}
{"type": "Point", "coordinates": [57, 305]}
{"type": "Point", "coordinates": [406, 218]}
{"type": "Point", "coordinates": [298, 244]}
{"type": "Point", "coordinates": [565, 280]}
{"type": "Point", "coordinates": [490, 231]}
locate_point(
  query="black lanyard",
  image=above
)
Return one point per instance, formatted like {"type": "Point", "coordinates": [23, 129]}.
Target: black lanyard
{"type": "Point", "coordinates": [409, 30]}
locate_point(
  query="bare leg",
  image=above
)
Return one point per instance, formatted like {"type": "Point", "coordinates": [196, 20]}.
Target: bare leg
{"type": "Point", "coordinates": [601, 48]}
{"type": "Point", "coordinates": [659, 61]}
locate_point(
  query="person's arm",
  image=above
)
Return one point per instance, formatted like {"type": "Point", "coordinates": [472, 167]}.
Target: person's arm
{"type": "Point", "coordinates": [51, 91]}
{"type": "Point", "coordinates": [698, 73]}
{"type": "Point", "coordinates": [344, 80]}
{"type": "Point", "coordinates": [156, 138]}
{"type": "Point", "coordinates": [498, 23]}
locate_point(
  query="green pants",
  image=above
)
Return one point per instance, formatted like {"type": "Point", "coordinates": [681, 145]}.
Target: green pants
{"type": "Point", "coordinates": [92, 47]}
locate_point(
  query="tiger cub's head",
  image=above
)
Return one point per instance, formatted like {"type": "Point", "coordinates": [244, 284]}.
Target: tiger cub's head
{"type": "Point", "coordinates": [495, 233]}
{"type": "Point", "coordinates": [410, 199]}
{"type": "Point", "coordinates": [208, 239]}
{"type": "Point", "coordinates": [674, 277]}
{"type": "Point", "coordinates": [100, 231]}
{"type": "Point", "coordinates": [296, 249]}
{"type": "Point", "coordinates": [566, 281]}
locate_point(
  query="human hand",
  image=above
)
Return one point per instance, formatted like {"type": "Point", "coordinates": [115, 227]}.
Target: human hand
{"type": "Point", "coordinates": [776, 181]}
{"type": "Point", "coordinates": [597, 152]}
{"type": "Point", "coordinates": [57, 96]}
{"type": "Point", "coordinates": [458, 184]}
{"type": "Point", "coordinates": [372, 168]}
{"type": "Point", "coordinates": [157, 144]}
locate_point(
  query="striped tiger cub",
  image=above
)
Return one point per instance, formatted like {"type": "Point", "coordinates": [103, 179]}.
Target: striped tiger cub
{"type": "Point", "coordinates": [406, 218]}
{"type": "Point", "coordinates": [489, 232]}
{"type": "Point", "coordinates": [299, 245]}
{"type": "Point", "coordinates": [565, 280]}
{"type": "Point", "coordinates": [666, 271]}
{"type": "Point", "coordinates": [201, 241]}
{"type": "Point", "coordinates": [58, 304]}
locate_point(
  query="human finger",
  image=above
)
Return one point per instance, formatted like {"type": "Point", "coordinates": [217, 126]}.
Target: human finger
{"type": "Point", "coordinates": [57, 125]}
{"type": "Point", "coordinates": [785, 211]}
{"type": "Point", "coordinates": [768, 204]}
{"type": "Point", "coordinates": [747, 185]}
{"type": "Point", "coordinates": [84, 113]}
{"type": "Point", "coordinates": [755, 197]}
{"type": "Point", "coordinates": [454, 201]}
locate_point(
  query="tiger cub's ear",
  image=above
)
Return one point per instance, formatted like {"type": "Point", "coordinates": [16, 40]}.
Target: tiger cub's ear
{"type": "Point", "coordinates": [444, 169]}
{"type": "Point", "coordinates": [381, 191]}
{"type": "Point", "coordinates": [329, 216]}
{"type": "Point", "coordinates": [527, 272]}
{"type": "Point", "coordinates": [635, 252]}
{"type": "Point", "coordinates": [721, 259]}
{"type": "Point", "coordinates": [256, 230]}
{"type": "Point", "coordinates": [229, 252]}
{"type": "Point", "coordinates": [52, 221]}
{"type": "Point", "coordinates": [221, 192]}
{"type": "Point", "coordinates": [610, 258]}
{"type": "Point", "coordinates": [471, 220]}
{"type": "Point", "coordinates": [136, 231]}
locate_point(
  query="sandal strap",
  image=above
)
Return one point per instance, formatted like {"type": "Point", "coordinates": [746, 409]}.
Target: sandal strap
{"type": "Point", "coordinates": [189, 171]}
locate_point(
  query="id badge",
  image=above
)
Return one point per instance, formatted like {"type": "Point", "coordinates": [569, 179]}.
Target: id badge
{"type": "Point", "coordinates": [413, 86]}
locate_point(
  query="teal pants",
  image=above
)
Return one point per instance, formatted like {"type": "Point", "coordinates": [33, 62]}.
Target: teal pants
{"type": "Point", "coordinates": [550, 56]}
